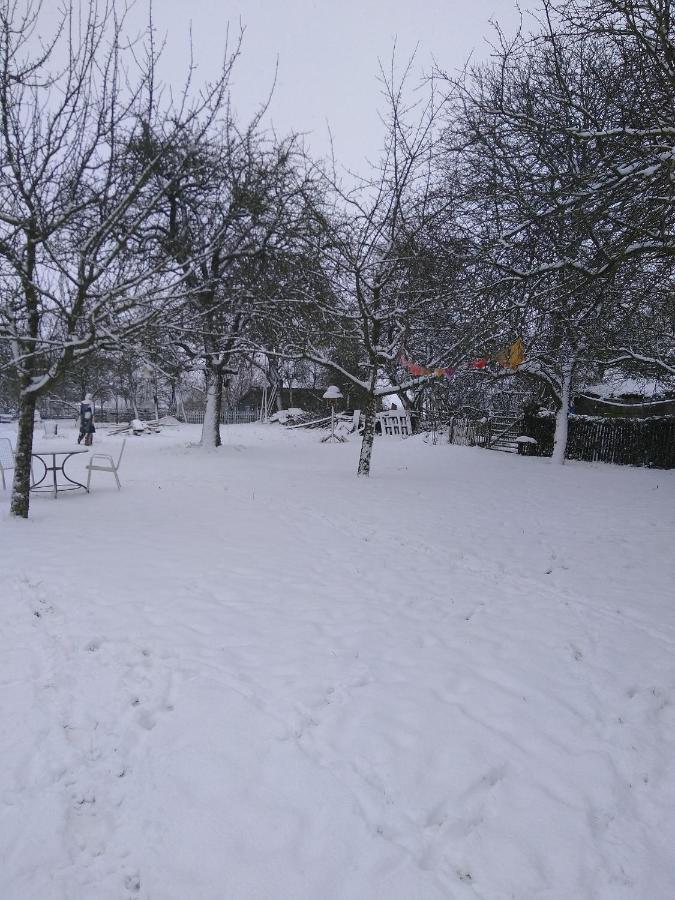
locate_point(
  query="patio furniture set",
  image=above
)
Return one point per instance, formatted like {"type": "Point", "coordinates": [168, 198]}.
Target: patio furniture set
{"type": "Point", "coordinates": [53, 460]}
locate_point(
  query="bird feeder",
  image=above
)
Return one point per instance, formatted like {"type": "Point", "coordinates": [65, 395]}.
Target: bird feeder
{"type": "Point", "coordinates": [332, 395]}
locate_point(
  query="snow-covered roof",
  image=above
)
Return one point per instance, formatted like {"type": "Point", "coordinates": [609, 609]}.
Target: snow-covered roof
{"type": "Point", "coordinates": [618, 385]}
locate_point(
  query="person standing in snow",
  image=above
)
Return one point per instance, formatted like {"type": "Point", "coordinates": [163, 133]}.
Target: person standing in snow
{"type": "Point", "coordinates": [87, 428]}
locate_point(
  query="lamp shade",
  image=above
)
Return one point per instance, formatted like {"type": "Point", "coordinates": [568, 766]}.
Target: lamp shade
{"type": "Point", "coordinates": [333, 393]}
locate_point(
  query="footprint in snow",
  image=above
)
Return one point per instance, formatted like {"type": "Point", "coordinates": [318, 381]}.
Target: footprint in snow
{"type": "Point", "coordinates": [132, 883]}
{"type": "Point", "coordinates": [146, 720]}
{"type": "Point", "coordinates": [576, 653]}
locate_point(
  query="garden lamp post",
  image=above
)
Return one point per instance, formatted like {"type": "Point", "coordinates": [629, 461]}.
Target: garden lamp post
{"type": "Point", "coordinates": [332, 395]}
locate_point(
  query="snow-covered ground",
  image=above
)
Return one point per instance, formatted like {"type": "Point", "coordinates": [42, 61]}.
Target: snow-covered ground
{"type": "Point", "coordinates": [250, 675]}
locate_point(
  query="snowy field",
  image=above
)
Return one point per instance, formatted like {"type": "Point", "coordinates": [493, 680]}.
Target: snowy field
{"type": "Point", "coordinates": [251, 676]}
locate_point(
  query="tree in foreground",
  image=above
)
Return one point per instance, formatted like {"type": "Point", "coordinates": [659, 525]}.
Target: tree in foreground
{"type": "Point", "coordinates": [78, 267]}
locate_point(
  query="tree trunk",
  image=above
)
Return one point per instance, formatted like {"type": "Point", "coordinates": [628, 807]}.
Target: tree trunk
{"type": "Point", "coordinates": [561, 419]}
{"type": "Point", "coordinates": [214, 403]}
{"type": "Point", "coordinates": [24, 448]}
{"type": "Point", "coordinates": [276, 381]}
{"type": "Point", "coordinates": [368, 436]}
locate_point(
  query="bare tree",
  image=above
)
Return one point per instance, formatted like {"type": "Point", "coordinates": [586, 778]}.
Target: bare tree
{"type": "Point", "coordinates": [230, 221]}
{"type": "Point", "coordinates": [565, 196]}
{"type": "Point", "coordinates": [77, 266]}
{"type": "Point", "coordinates": [363, 297]}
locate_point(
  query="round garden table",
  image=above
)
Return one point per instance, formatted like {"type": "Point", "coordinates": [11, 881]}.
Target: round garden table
{"type": "Point", "coordinates": [57, 485]}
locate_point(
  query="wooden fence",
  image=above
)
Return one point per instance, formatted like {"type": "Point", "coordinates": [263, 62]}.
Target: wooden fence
{"type": "Point", "coordinates": [624, 442]}
{"type": "Point", "coordinates": [468, 432]}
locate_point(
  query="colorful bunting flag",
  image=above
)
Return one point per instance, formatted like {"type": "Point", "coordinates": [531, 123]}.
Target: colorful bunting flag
{"type": "Point", "coordinates": [516, 354]}
{"type": "Point", "coordinates": [513, 356]}
{"type": "Point", "coordinates": [510, 358]}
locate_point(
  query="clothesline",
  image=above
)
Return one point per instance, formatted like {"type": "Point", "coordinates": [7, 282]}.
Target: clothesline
{"type": "Point", "coordinates": [510, 358]}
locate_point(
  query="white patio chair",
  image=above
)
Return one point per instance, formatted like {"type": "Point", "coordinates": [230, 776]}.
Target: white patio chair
{"type": "Point", "coordinates": [6, 459]}
{"type": "Point", "coordinates": [108, 464]}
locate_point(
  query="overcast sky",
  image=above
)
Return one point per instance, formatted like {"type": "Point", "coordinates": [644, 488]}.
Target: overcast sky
{"type": "Point", "coordinates": [327, 52]}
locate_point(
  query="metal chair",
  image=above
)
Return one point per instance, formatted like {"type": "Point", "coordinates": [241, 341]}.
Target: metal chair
{"type": "Point", "coordinates": [109, 466]}
{"type": "Point", "coordinates": [6, 459]}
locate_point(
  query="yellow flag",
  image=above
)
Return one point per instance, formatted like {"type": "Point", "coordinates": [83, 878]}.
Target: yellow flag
{"type": "Point", "coordinates": [516, 354]}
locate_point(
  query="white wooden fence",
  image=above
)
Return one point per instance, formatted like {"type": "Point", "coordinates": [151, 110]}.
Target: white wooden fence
{"type": "Point", "coordinates": [227, 417]}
